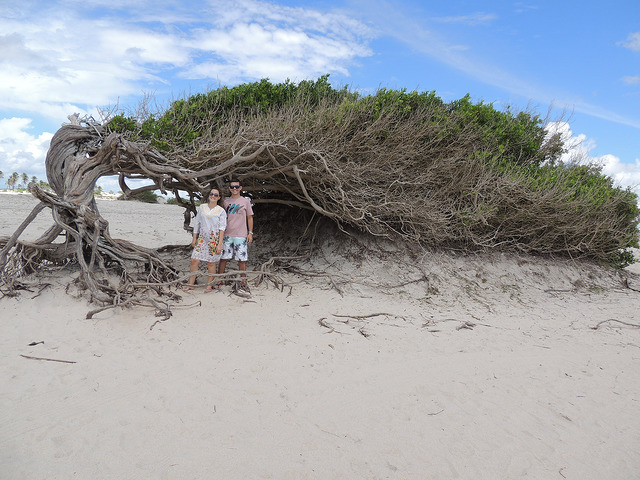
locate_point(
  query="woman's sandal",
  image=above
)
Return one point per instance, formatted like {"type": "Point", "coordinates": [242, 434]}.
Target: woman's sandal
{"type": "Point", "coordinates": [211, 288]}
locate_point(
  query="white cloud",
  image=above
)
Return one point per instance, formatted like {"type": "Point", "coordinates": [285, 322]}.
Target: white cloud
{"type": "Point", "coordinates": [631, 80]}
{"type": "Point", "coordinates": [248, 50]}
{"type": "Point", "coordinates": [73, 60]}
{"type": "Point", "coordinates": [623, 174]}
{"type": "Point", "coordinates": [258, 39]}
{"type": "Point", "coordinates": [20, 151]}
{"type": "Point", "coordinates": [632, 42]}
{"type": "Point", "coordinates": [473, 19]}
{"type": "Point", "coordinates": [521, 7]}
{"type": "Point", "coordinates": [579, 147]}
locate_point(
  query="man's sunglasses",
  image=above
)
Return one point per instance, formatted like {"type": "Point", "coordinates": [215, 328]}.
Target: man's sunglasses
{"type": "Point", "coordinates": [234, 186]}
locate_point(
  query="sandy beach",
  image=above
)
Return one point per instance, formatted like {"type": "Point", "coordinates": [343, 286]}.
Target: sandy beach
{"type": "Point", "coordinates": [427, 367]}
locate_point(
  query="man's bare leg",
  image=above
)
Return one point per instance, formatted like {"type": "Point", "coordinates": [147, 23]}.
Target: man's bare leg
{"type": "Point", "coordinates": [242, 266]}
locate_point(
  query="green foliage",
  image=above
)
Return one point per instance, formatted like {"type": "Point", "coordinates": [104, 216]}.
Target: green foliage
{"type": "Point", "coordinates": [122, 124]}
{"type": "Point", "coordinates": [516, 138]}
{"type": "Point", "coordinates": [587, 184]}
{"type": "Point", "coordinates": [399, 104]}
{"type": "Point", "coordinates": [186, 119]}
{"type": "Point", "coordinates": [622, 258]}
{"type": "Point", "coordinates": [147, 197]}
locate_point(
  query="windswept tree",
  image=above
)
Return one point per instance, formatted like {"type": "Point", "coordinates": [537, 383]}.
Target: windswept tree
{"type": "Point", "coordinates": [397, 164]}
{"type": "Point", "coordinates": [25, 179]}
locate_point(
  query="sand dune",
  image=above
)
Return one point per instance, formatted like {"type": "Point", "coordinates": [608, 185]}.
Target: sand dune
{"type": "Point", "coordinates": [495, 367]}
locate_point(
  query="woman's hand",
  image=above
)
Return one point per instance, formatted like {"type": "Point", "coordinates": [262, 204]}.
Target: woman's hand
{"type": "Point", "coordinates": [220, 242]}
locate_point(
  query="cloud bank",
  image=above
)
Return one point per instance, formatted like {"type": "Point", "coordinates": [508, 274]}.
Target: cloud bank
{"type": "Point", "coordinates": [71, 59]}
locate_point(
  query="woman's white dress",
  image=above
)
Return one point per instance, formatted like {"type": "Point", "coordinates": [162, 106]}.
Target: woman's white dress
{"type": "Point", "coordinates": [208, 224]}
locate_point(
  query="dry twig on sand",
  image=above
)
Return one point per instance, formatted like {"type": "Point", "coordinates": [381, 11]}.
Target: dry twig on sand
{"type": "Point", "coordinates": [47, 359]}
{"type": "Point", "coordinates": [635, 325]}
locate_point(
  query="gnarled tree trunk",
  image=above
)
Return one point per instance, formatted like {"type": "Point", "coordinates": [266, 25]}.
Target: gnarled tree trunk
{"type": "Point", "coordinates": [112, 271]}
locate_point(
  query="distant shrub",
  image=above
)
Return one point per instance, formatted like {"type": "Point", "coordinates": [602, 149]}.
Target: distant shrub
{"type": "Point", "coordinates": [147, 197]}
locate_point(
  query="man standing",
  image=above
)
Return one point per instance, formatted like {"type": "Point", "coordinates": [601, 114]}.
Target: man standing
{"type": "Point", "coordinates": [239, 232]}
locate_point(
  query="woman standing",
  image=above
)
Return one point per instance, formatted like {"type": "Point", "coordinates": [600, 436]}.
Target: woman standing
{"type": "Point", "coordinates": [208, 233]}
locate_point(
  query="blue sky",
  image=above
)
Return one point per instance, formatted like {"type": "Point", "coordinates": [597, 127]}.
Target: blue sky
{"type": "Point", "coordinates": [579, 59]}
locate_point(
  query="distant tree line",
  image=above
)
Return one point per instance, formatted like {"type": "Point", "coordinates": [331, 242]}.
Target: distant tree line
{"type": "Point", "coordinates": [16, 180]}
{"type": "Point", "coordinates": [21, 181]}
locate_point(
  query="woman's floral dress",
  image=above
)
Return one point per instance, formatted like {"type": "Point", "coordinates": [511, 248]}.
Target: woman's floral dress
{"type": "Point", "coordinates": [208, 225]}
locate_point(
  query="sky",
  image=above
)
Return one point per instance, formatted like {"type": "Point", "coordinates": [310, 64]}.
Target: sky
{"type": "Point", "coordinates": [576, 63]}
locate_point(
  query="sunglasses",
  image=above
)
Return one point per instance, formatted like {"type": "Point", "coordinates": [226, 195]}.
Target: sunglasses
{"type": "Point", "coordinates": [234, 186]}
{"type": "Point", "coordinates": [214, 194]}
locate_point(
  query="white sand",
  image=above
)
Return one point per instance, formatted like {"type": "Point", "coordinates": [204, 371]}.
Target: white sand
{"type": "Point", "coordinates": [235, 389]}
